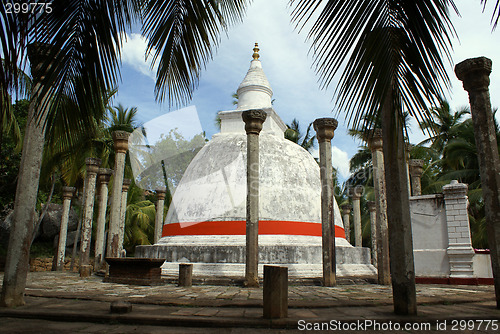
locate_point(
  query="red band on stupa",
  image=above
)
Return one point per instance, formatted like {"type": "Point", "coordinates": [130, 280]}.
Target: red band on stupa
{"type": "Point", "coordinates": [238, 227]}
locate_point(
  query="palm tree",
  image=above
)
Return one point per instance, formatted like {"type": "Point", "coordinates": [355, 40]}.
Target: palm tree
{"type": "Point", "coordinates": [74, 56]}
{"type": "Point", "coordinates": [441, 125]}
{"type": "Point", "coordinates": [293, 133]}
{"type": "Point", "coordinates": [394, 51]}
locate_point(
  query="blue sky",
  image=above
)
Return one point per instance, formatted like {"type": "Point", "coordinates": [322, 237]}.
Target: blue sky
{"type": "Point", "coordinates": [288, 65]}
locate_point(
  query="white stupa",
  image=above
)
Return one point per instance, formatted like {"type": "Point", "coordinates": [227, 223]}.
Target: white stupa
{"type": "Point", "coordinates": [205, 224]}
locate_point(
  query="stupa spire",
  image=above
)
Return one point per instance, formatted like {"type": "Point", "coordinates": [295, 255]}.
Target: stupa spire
{"type": "Point", "coordinates": [254, 91]}
{"type": "Point", "coordinates": [256, 52]}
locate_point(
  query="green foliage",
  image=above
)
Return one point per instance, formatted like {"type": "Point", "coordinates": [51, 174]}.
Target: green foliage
{"type": "Point", "coordinates": [42, 249]}
{"type": "Point", "coordinates": [10, 157]}
{"type": "Point", "coordinates": [294, 134]}
{"type": "Point", "coordinates": [139, 225]}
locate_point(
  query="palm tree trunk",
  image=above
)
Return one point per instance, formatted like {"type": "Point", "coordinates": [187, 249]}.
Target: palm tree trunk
{"type": "Point", "coordinates": [398, 213]}
{"type": "Point", "coordinates": [17, 263]}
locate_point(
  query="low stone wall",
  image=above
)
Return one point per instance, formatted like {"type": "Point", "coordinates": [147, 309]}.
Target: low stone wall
{"type": "Point", "coordinates": [441, 236]}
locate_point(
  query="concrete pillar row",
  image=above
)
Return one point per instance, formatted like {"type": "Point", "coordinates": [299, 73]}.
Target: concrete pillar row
{"type": "Point", "coordinates": [254, 120]}
{"type": "Point", "coordinates": [372, 208]}
{"type": "Point", "coordinates": [375, 143]}
{"type": "Point", "coordinates": [120, 140]}
{"type": "Point", "coordinates": [68, 193]}
{"type": "Point", "coordinates": [123, 212]}
{"type": "Point", "coordinates": [160, 195]}
{"type": "Point", "coordinates": [88, 214]}
{"type": "Point", "coordinates": [416, 171]}
{"type": "Point", "coordinates": [346, 213]}
{"type": "Point", "coordinates": [475, 75]}
{"type": "Point", "coordinates": [103, 178]}
{"type": "Point", "coordinates": [325, 130]}
{"type": "Point", "coordinates": [408, 148]}
{"type": "Point", "coordinates": [357, 192]}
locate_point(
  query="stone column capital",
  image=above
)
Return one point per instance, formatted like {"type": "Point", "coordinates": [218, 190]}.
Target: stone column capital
{"type": "Point", "coordinates": [160, 193]}
{"type": "Point", "coordinates": [120, 141]}
{"type": "Point", "coordinates": [68, 192]}
{"type": "Point", "coordinates": [474, 73]}
{"type": "Point", "coordinates": [126, 184]}
{"type": "Point", "coordinates": [104, 175]}
{"type": "Point", "coordinates": [92, 165]}
{"type": "Point", "coordinates": [374, 139]}
{"type": "Point", "coordinates": [357, 192]}
{"type": "Point", "coordinates": [371, 206]}
{"type": "Point", "coordinates": [455, 190]}
{"type": "Point", "coordinates": [254, 120]}
{"type": "Point", "coordinates": [416, 167]}
{"type": "Point", "coordinates": [346, 208]}
{"type": "Point", "coordinates": [325, 128]}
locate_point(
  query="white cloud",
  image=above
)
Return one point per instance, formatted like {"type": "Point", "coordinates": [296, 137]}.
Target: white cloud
{"type": "Point", "coordinates": [340, 160]}
{"type": "Point", "coordinates": [134, 55]}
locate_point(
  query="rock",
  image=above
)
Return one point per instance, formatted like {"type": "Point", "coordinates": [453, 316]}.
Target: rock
{"type": "Point", "coordinates": [5, 226]}
{"type": "Point", "coordinates": [70, 240]}
{"type": "Point", "coordinates": [51, 222]}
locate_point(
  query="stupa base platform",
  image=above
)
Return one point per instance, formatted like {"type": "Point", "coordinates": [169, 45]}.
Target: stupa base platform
{"type": "Point", "coordinates": [229, 260]}
{"type": "Point", "coordinates": [294, 270]}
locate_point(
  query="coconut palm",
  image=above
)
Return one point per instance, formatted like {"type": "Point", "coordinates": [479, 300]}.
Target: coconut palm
{"type": "Point", "coordinates": [74, 52]}
{"type": "Point", "coordinates": [293, 133]}
{"type": "Point", "coordinates": [395, 63]}
{"type": "Point", "coordinates": [441, 125]}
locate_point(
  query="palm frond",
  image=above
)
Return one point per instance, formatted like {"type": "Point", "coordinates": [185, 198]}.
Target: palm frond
{"type": "Point", "coordinates": [390, 45]}
{"type": "Point", "coordinates": [82, 39]}
{"type": "Point", "coordinates": [496, 12]}
{"type": "Point", "coordinates": [182, 36]}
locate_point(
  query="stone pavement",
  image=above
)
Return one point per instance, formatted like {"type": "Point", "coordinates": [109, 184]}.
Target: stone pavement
{"type": "Point", "coordinates": [62, 301]}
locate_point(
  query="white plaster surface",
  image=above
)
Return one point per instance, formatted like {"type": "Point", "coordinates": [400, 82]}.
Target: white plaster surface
{"type": "Point", "coordinates": [482, 266]}
{"type": "Point", "coordinates": [430, 235]}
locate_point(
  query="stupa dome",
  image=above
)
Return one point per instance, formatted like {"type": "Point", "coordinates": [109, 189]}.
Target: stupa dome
{"type": "Point", "coordinates": [206, 221]}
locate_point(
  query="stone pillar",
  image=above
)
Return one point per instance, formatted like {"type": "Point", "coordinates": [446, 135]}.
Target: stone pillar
{"type": "Point", "coordinates": [160, 194]}
{"type": "Point", "coordinates": [254, 119]}
{"type": "Point", "coordinates": [123, 213]}
{"type": "Point", "coordinates": [346, 212]}
{"type": "Point", "coordinates": [186, 274]}
{"type": "Point", "coordinates": [416, 171]}
{"type": "Point", "coordinates": [383, 265]}
{"type": "Point", "coordinates": [88, 213]}
{"type": "Point", "coordinates": [408, 148]}
{"type": "Point", "coordinates": [475, 75]}
{"type": "Point", "coordinates": [120, 139]}
{"type": "Point", "coordinates": [68, 193]}
{"type": "Point", "coordinates": [103, 179]}
{"type": "Point", "coordinates": [357, 192]}
{"type": "Point", "coordinates": [275, 294]}
{"type": "Point", "coordinates": [325, 130]}
{"type": "Point", "coordinates": [372, 207]}
{"type": "Point", "coordinates": [460, 252]}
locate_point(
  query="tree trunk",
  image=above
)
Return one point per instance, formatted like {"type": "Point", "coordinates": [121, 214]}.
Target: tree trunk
{"type": "Point", "coordinates": [18, 251]}
{"type": "Point", "coordinates": [398, 216]}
